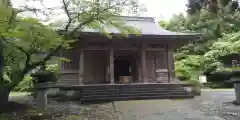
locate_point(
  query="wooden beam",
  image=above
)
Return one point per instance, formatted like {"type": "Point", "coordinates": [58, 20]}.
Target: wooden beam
{"type": "Point", "coordinates": [104, 49]}
{"type": "Point", "coordinates": [143, 61]}
{"type": "Point", "coordinates": [171, 64]}
{"type": "Point", "coordinates": [81, 67]}
{"type": "Point", "coordinates": [166, 56]}
{"type": "Point", "coordinates": [111, 65]}
{"type": "Point", "coordinates": [61, 63]}
{"type": "Point", "coordinates": [155, 49]}
{"type": "Point", "coordinates": [70, 72]}
{"type": "Point", "coordinates": [125, 49]}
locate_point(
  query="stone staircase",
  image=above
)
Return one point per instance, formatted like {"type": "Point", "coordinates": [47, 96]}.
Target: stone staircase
{"type": "Point", "coordinates": [117, 92]}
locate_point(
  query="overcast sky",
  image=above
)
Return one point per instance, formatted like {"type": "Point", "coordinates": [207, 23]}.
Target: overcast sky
{"type": "Point", "coordinates": [164, 8]}
{"type": "Point", "coordinates": [155, 8]}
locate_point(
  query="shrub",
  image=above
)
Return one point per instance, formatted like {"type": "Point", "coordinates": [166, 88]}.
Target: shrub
{"type": "Point", "coordinates": [220, 85]}
{"type": "Point", "coordinates": [195, 83]}
{"type": "Point", "coordinates": [48, 73]}
{"type": "Point", "coordinates": [26, 85]}
{"type": "Point", "coordinates": [53, 68]}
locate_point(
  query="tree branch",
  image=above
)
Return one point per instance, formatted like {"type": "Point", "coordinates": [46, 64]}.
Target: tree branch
{"type": "Point", "coordinates": [65, 7]}
{"type": "Point", "coordinates": [12, 13]}
{"type": "Point", "coordinates": [70, 19]}
{"type": "Point", "coordinates": [28, 56]}
{"type": "Point", "coordinates": [14, 45]}
{"type": "Point", "coordinates": [33, 10]}
{"type": "Point", "coordinates": [29, 9]}
{"type": "Point", "coordinates": [50, 54]}
{"type": "Point", "coordinates": [42, 62]}
{"type": "Point", "coordinates": [92, 18]}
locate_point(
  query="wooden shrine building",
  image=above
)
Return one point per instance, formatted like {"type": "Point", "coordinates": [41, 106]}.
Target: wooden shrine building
{"type": "Point", "coordinates": [96, 60]}
{"type": "Point", "coordinates": [147, 58]}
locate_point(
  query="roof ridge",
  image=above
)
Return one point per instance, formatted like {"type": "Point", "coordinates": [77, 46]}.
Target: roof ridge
{"type": "Point", "coordinates": [137, 18]}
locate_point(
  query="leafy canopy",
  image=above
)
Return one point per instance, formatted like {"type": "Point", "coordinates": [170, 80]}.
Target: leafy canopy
{"type": "Point", "coordinates": [29, 43]}
{"type": "Point", "coordinates": [218, 21]}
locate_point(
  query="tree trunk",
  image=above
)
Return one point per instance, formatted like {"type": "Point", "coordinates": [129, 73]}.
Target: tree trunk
{"type": "Point", "coordinates": [4, 95]}
{"type": "Point", "coordinates": [5, 90]}
{"type": "Point", "coordinates": [1, 60]}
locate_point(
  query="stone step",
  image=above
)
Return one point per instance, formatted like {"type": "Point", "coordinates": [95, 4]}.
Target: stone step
{"type": "Point", "coordinates": [131, 91]}
{"type": "Point", "coordinates": [132, 94]}
{"type": "Point", "coordinates": [136, 87]}
{"type": "Point", "coordinates": [137, 98]}
{"type": "Point", "coordinates": [130, 87]}
{"type": "Point", "coordinates": [133, 86]}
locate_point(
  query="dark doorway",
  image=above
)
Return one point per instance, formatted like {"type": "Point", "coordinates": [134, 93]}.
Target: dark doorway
{"type": "Point", "coordinates": [122, 67]}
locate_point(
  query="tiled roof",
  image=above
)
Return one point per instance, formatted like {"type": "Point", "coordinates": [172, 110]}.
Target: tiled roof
{"type": "Point", "coordinates": [146, 25]}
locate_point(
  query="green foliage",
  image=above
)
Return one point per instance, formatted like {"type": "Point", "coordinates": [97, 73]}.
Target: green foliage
{"type": "Point", "coordinates": [3, 117]}
{"type": "Point", "coordinates": [24, 46]}
{"type": "Point", "coordinates": [26, 85]}
{"type": "Point", "coordinates": [53, 68]}
{"type": "Point", "coordinates": [214, 6]}
{"type": "Point", "coordinates": [99, 15]}
{"type": "Point", "coordinates": [229, 44]}
{"type": "Point", "coordinates": [176, 23]}
{"type": "Point", "coordinates": [218, 21]}
{"type": "Point", "coordinates": [188, 68]}
{"type": "Point", "coordinates": [29, 44]}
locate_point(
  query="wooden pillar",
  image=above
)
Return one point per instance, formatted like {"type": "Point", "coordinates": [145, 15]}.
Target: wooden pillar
{"type": "Point", "coordinates": [61, 63]}
{"type": "Point", "coordinates": [111, 65]}
{"type": "Point", "coordinates": [143, 61]}
{"type": "Point", "coordinates": [171, 64]}
{"type": "Point", "coordinates": [107, 71]}
{"type": "Point", "coordinates": [166, 56]}
{"type": "Point", "coordinates": [81, 67]}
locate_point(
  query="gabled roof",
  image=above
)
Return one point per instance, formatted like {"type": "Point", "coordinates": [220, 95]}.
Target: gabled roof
{"type": "Point", "coordinates": [146, 25]}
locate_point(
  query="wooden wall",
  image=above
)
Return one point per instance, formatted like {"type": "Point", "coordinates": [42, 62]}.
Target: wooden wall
{"type": "Point", "coordinates": [70, 67]}
{"type": "Point", "coordinates": [96, 63]}
{"type": "Point", "coordinates": [72, 56]}
{"type": "Point", "coordinates": [154, 62]}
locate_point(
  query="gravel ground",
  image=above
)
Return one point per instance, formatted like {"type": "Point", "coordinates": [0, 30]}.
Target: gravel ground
{"type": "Point", "coordinates": [211, 105]}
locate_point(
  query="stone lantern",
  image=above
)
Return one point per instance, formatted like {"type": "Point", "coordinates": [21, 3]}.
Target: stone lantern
{"type": "Point", "coordinates": [235, 80]}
